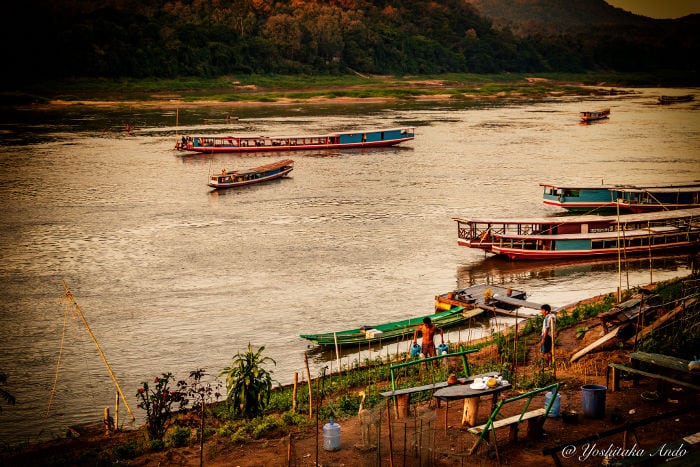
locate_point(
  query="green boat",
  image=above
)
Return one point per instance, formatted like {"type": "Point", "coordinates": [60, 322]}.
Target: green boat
{"type": "Point", "coordinates": [405, 328]}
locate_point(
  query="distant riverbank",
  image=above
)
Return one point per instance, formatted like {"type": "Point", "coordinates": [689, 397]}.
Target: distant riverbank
{"type": "Point", "coordinates": [284, 90]}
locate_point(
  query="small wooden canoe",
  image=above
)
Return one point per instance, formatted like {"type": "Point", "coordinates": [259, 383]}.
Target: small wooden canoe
{"type": "Point", "coordinates": [394, 330]}
{"type": "Point", "coordinates": [675, 99]}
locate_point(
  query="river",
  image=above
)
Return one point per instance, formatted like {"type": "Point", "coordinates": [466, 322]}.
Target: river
{"type": "Point", "coordinates": [173, 277]}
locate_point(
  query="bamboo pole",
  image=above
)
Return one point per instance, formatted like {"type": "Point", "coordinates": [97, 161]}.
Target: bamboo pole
{"type": "Point", "coordinates": [69, 295]}
{"type": "Point", "coordinates": [294, 392]}
{"type": "Point", "coordinates": [552, 324]}
{"type": "Point", "coordinates": [308, 378]}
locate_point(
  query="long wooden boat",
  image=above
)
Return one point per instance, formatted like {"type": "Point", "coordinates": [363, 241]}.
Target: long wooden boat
{"type": "Point", "coordinates": [350, 139]}
{"type": "Point", "coordinates": [394, 330]}
{"type": "Point", "coordinates": [675, 99]}
{"type": "Point", "coordinates": [626, 198]}
{"type": "Point", "coordinates": [583, 237]}
{"type": "Point", "coordinates": [264, 173]}
{"type": "Point", "coordinates": [591, 116]}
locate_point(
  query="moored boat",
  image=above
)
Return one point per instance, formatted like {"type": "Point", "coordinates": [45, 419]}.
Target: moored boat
{"type": "Point", "coordinates": [576, 198]}
{"type": "Point", "coordinates": [675, 99]}
{"type": "Point", "coordinates": [501, 300]}
{"type": "Point", "coordinates": [394, 330]}
{"type": "Point", "coordinates": [264, 173]}
{"type": "Point", "coordinates": [583, 237]}
{"type": "Point", "coordinates": [350, 139]}
{"type": "Point", "coordinates": [626, 198]}
{"type": "Point", "coordinates": [641, 199]}
{"type": "Point", "coordinates": [591, 116]}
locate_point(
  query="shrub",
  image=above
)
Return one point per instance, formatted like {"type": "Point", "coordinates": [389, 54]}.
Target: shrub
{"type": "Point", "coordinates": [248, 384]}
{"type": "Point", "coordinates": [179, 437]}
{"type": "Point", "coordinates": [158, 403]}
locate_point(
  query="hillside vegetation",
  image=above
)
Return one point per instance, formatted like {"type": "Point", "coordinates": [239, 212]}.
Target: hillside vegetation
{"type": "Point", "coordinates": [51, 39]}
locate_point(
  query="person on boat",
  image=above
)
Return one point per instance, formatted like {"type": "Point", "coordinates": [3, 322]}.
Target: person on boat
{"type": "Point", "coordinates": [546, 341]}
{"type": "Point", "coordinates": [428, 330]}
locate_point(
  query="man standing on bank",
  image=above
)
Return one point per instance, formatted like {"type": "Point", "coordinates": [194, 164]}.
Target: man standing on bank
{"type": "Point", "coordinates": [428, 329]}
{"type": "Point", "coordinates": [547, 340]}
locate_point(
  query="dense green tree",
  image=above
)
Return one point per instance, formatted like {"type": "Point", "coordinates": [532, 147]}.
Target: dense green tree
{"type": "Point", "coordinates": [170, 38]}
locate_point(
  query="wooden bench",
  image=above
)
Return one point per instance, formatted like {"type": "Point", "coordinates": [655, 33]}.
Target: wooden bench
{"type": "Point", "coordinates": [535, 418]}
{"type": "Point", "coordinates": [614, 369]}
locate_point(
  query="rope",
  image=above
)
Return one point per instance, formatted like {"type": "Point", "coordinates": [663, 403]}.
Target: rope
{"type": "Point", "coordinates": [58, 362]}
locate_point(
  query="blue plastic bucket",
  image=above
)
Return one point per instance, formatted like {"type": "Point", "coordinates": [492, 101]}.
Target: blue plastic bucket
{"type": "Point", "coordinates": [441, 349]}
{"type": "Point", "coordinates": [554, 411]}
{"type": "Point", "coordinates": [593, 400]}
{"type": "Point", "coordinates": [415, 350]}
{"type": "Point", "coordinates": [331, 436]}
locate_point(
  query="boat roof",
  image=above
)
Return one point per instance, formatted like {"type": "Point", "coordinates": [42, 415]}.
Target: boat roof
{"type": "Point", "coordinates": [580, 187]}
{"type": "Point", "coordinates": [587, 218]}
{"type": "Point", "coordinates": [669, 189]}
{"type": "Point", "coordinates": [262, 168]}
{"type": "Point", "coordinates": [626, 187]}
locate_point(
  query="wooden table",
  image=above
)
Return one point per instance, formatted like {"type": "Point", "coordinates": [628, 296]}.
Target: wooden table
{"type": "Point", "coordinates": [471, 397]}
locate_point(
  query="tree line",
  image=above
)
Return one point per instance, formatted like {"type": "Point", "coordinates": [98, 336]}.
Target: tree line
{"type": "Point", "coordinates": [55, 39]}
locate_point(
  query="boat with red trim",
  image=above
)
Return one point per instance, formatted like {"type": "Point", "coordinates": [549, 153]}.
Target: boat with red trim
{"type": "Point", "coordinates": [583, 237]}
{"type": "Point", "coordinates": [264, 173]}
{"type": "Point", "coordinates": [591, 116]}
{"type": "Point", "coordinates": [344, 140]}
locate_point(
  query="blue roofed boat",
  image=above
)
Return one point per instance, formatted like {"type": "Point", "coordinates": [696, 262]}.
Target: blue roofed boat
{"type": "Point", "coordinates": [344, 140]}
{"type": "Point", "coordinates": [626, 198]}
{"type": "Point", "coordinates": [579, 198]}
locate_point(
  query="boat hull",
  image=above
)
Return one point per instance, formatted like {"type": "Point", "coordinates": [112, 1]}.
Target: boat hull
{"type": "Point", "coordinates": [529, 255]}
{"type": "Point", "coordinates": [391, 331]}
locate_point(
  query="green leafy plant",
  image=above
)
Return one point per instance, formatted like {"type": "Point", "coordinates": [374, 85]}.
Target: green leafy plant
{"type": "Point", "coordinates": [248, 384]}
{"type": "Point", "coordinates": [581, 331]}
{"type": "Point", "coordinates": [178, 437]}
{"type": "Point", "coordinates": [158, 403]}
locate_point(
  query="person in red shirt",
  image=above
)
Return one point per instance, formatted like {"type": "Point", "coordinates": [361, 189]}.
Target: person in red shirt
{"type": "Point", "coordinates": [428, 330]}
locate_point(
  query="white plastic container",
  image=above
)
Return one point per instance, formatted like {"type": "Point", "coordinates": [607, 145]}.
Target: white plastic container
{"type": "Point", "coordinates": [331, 436]}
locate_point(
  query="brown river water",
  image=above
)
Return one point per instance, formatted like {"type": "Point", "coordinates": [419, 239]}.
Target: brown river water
{"type": "Point", "coordinates": [173, 277]}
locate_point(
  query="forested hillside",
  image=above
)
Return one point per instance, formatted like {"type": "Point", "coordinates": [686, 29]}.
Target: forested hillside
{"type": "Point", "coordinates": [50, 39]}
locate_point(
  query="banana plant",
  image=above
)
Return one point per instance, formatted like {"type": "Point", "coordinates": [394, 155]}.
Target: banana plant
{"type": "Point", "coordinates": [248, 384]}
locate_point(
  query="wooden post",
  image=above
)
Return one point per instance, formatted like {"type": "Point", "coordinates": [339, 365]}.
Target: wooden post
{"type": "Point", "coordinates": [552, 323]}
{"type": "Point", "coordinates": [201, 435]}
{"type": "Point", "coordinates": [116, 412]}
{"type": "Point", "coordinates": [308, 378]}
{"type": "Point", "coordinates": [294, 392]}
{"type": "Point", "coordinates": [105, 419]}
{"type": "Point", "coordinates": [391, 443]}
{"type": "Point", "coordinates": [470, 410]}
